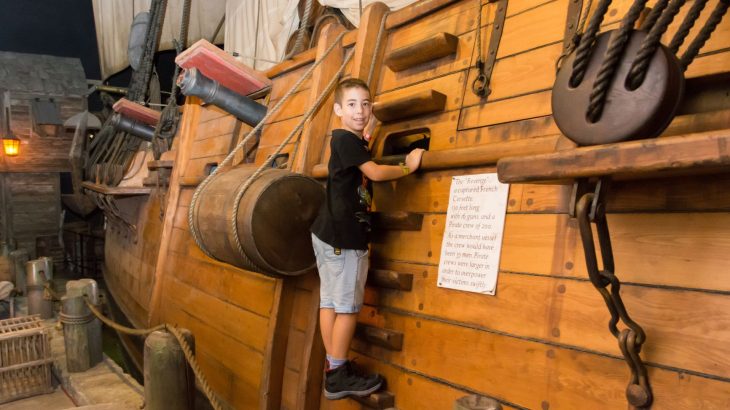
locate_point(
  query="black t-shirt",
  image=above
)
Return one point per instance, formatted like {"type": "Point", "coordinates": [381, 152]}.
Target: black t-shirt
{"type": "Point", "coordinates": [337, 223]}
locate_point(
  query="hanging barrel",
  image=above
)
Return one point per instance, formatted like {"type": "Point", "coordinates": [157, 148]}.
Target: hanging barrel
{"type": "Point", "coordinates": [273, 220]}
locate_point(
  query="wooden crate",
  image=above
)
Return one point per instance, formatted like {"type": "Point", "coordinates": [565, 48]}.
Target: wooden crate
{"type": "Point", "coordinates": [25, 358]}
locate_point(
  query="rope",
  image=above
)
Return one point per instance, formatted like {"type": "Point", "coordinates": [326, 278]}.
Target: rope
{"type": "Point", "coordinates": [302, 30]}
{"type": "Point", "coordinates": [704, 34]}
{"type": "Point", "coordinates": [654, 15]}
{"type": "Point", "coordinates": [585, 47]}
{"type": "Point", "coordinates": [187, 350]}
{"type": "Point", "coordinates": [584, 17]}
{"type": "Point", "coordinates": [371, 71]}
{"type": "Point", "coordinates": [651, 43]}
{"type": "Point", "coordinates": [687, 24]}
{"type": "Point", "coordinates": [611, 61]}
{"type": "Point", "coordinates": [576, 36]}
{"type": "Point", "coordinates": [192, 222]}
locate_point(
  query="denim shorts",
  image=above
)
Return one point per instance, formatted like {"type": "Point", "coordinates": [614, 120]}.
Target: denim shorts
{"type": "Point", "coordinates": [342, 277]}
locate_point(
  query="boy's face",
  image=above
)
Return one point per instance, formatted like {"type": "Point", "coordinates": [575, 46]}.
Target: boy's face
{"type": "Point", "coordinates": [354, 110]}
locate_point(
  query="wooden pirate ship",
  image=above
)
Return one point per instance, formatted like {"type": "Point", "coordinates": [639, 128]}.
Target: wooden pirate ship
{"type": "Point", "coordinates": [208, 229]}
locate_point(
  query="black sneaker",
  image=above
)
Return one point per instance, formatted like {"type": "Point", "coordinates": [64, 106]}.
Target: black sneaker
{"type": "Point", "coordinates": [345, 381]}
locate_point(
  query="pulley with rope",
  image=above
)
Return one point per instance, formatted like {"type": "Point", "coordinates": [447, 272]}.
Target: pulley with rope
{"type": "Point", "coordinates": [624, 84]}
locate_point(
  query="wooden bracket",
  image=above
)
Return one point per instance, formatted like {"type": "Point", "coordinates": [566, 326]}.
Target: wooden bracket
{"type": "Point", "coordinates": [379, 400]}
{"type": "Point", "coordinates": [437, 46]}
{"type": "Point", "coordinates": [386, 338]}
{"type": "Point", "coordinates": [390, 279]}
{"type": "Point", "coordinates": [419, 103]}
{"type": "Point", "coordinates": [397, 221]}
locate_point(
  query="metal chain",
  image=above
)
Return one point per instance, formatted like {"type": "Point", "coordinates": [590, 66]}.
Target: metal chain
{"type": "Point", "coordinates": [187, 350]}
{"type": "Point", "coordinates": [192, 222]}
{"type": "Point", "coordinates": [585, 47]}
{"type": "Point", "coordinates": [590, 209]}
{"type": "Point", "coordinates": [612, 60]}
{"type": "Point", "coordinates": [694, 48]}
{"type": "Point", "coordinates": [687, 24]}
{"type": "Point", "coordinates": [650, 44]}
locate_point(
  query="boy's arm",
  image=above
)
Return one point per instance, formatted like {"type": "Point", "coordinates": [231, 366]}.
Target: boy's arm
{"type": "Point", "coordinates": [376, 172]}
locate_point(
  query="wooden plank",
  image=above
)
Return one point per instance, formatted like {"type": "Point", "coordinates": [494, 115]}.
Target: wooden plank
{"type": "Point", "coordinates": [451, 86]}
{"type": "Point", "coordinates": [634, 159]}
{"type": "Point", "coordinates": [385, 338]}
{"type": "Point", "coordinates": [439, 45]}
{"type": "Point", "coordinates": [460, 60]}
{"type": "Point", "coordinates": [223, 125]}
{"type": "Point", "coordinates": [409, 105]}
{"type": "Point", "coordinates": [408, 14]}
{"type": "Point", "coordinates": [528, 372]}
{"type": "Point", "coordinates": [570, 312]}
{"type": "Point", "coordinates": [295, 62]}
{"type": "Point", "coordinates": [117, 190]}
{"type": "Point", "coordinates": [220, 66]}
{"type": "Point", "coordinates": [390, 279]}
{"type": "Point", "coordinates": [274, 366]}
{"type": "Point", "coordinates": [285, 83]}
{"type": "Point", "coordinates": [502, 111]}
{"type": "Point", "coordinates": [273, 134]}
{"type": "Point", "coordinates": [644, 244]}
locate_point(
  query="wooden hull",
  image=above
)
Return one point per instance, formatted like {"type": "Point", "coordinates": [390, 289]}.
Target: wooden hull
{"type": "Point", "coordinates": [542, 341]}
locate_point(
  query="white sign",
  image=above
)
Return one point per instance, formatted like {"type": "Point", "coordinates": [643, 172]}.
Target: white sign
{"type": "Point", "coordinates": [472, 240]}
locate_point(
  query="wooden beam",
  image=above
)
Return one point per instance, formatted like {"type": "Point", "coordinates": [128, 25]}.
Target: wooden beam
{"type": "Point", "coordinates": [437, 46]}
{"type": "Point", "coordinates": [116, 190]}
{"type": "Point", "coordinates": [386, 338]}
{"type": "Point", "coordinates": [411, 105]}
{"type": "Point", "coordinates": [390, 279]}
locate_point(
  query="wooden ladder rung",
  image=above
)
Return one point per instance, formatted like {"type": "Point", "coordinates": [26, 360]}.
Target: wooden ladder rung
{"type": "Point", "coordinates": [220, 66]}
{"type": "Point", "coordinates": [437, 46]}
{"type": "Point", "coordinates": [137, 112]}
{"type": "Point", "coordinates": [160, 163]}
{"type": "Point", "coordinates": [397, 221]}
{"type": "Point", "coordinates": [389, 339]}
{"type": "Point", "coordinates": [390, 279]}
{"type": "Point", "coordinates": [378, 400]}
{"type": "Point", "coordinates": [419, 103]}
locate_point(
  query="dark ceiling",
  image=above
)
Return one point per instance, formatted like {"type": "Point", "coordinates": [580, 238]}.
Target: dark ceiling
{"type": "Point", "coordinates": [54, 27]}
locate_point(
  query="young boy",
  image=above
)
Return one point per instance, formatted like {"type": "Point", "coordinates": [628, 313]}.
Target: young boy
{"type": "Point", "coordinates": [340, 236]}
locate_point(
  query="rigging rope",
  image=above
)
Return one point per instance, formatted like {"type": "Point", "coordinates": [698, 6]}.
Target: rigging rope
{"type": "Point", "coordinates": [302, 30]}
{"type": "Point", "coordinates": [687, 24]}
{"type": "Point", "coordinates": [694, 48]}
{"type": "Point", "coordinates": [585, 47]}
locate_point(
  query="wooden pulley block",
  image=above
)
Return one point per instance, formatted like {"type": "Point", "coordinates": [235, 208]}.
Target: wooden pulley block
{"type": "Point", "coordinates": [627, 114]}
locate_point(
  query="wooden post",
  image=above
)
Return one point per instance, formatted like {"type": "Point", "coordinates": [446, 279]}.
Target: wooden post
{"type": "Point", "coordinates": [82, 331]}
{"type": "Point", "coordinates": [169, 383]}
{"type": "Point", "coordinates": [76, 318]}
{"type": "Point", "coordinates": [476, 402]}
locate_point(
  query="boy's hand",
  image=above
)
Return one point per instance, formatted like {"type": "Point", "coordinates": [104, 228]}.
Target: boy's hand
{"type": "Point", "coordinates": [413, 159]}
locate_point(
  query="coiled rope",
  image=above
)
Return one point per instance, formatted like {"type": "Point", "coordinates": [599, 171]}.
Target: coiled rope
{"type": "Point", "coordinates": [187, 350]}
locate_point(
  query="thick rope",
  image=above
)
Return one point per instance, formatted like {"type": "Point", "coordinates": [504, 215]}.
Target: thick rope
{"type": "Point", "coordinates": [265, 164]}
{"type": "Point", "coordinates": [302, 30]}
{"type": "Point", "coordinates": [694, 48]}
{"type": "Point", "coordinates": [650, 44]}
{"type": "Point", "coordinates": [585, 47]}
{"type": "Point", "coordinates": [378, 40]}
{"type": "Point", "coordinates": [689, 21]}
{"type": "Point", "coordinates": [187, 350]}
{"type": "Point", "coordinates": [654, 15]}
{"type": "Point", "coordinates": [576, 35]}
{"type": "Point", "coordinates": [611, 61]}
{"type": "Point", "coordinates": [192, 221]}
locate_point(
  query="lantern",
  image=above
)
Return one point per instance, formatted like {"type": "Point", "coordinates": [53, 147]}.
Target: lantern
{"type": "Point", "coordinates": [11, 145]}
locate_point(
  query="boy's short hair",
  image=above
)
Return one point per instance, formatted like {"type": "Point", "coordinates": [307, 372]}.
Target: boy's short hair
{"type": "Point", "coordinates": [347, 84]}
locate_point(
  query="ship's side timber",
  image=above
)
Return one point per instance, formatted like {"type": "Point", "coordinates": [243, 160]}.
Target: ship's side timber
{"type": "Point", "coordinates": [542, 341]}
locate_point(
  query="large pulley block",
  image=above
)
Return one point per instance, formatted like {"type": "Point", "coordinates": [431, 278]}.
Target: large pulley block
{"type": "Point", "coordinates": [627, 114]}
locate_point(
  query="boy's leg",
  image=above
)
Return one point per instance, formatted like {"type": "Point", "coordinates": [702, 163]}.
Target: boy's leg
{"type": "Point", "coordinates": [342, 332]}
{"type": "Point", "coordinates": [326, 324]}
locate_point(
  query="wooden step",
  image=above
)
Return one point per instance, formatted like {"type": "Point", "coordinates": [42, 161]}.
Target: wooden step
{"type": "Point", "coordinates": [411, 105]}
{"type": "Point", "coordinates": [437, 46]}
{"type": "Point", "coordinates": [116, 190]}
{"type": "Point", "coordinates": [160, 163]}
{"type": "Point", "coordinates": [389, 339]}
{"type": "Point", "coordinates": [390, 279]}
{"type": "Point", "coordinates": [397, 221]}
{"type": "Point", "coordinates": [220, 66]}
{"type": "Point", "coordinates": [137, 112]}
{"type": "Point", "coordinates": [667, 156]}
{"type": "Point", "coordinates": [378, 400]}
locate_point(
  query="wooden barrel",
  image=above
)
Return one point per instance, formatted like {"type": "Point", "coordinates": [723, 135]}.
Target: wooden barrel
{"type": "Point", "coordinates": [273, 220]}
